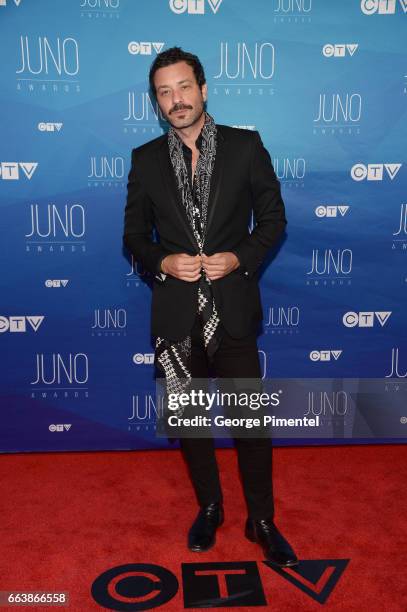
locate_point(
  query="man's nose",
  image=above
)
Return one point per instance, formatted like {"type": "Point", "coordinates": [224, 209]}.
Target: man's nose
{"type": "Point", "coordinates": [177, 96]}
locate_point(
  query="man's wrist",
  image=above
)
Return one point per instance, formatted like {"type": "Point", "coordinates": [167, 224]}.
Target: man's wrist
{"type": "Point", "coordinates": [237, 260]}
{"type": "Point", "coordinates": [161, 264]}
{"type": "Point", "coordinates": [159, 269]}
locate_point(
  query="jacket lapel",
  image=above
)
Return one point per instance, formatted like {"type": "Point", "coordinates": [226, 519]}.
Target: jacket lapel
{"type": "Point", "coordinates": [216, 179]}
{"type": "Point", "coordinates": [172, 191]}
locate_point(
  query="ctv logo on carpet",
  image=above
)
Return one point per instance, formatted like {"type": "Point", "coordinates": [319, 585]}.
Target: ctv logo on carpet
{"type": "Point", "coordinates": [373, 172]}
{"type": "Point", "coordinates": [339, 50]}
{"type": "Point", "coordinates": [144, 48]}
{"type": "Point", "coordinates": [19, 323]}
{"type": "Point", "coordinates": [365, 319]}
{"type": "Point", "coordinates": [10, 171]}
{"type": "Point", "coordinates": [383, 7]}
{"type": "Point", "coordinates": [225, 584]}
{"type": "Point", "coordinates": [50, 127]}
{"type": "Point", "coordinates": [194, 7]}
{"type": "Point", "coordinates": [60, 427]}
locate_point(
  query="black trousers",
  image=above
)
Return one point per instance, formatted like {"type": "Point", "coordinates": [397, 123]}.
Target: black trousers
{"type": "Point", "coordinates": [235, 358]}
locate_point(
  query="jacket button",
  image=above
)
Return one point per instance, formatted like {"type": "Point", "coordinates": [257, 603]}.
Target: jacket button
{"type": "Point", "coordinates": [246, 274]}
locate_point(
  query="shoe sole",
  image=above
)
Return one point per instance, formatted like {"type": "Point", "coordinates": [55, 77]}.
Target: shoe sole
{"type": "Point", "coordinates": [251, 538]}
{"type": "Point", "coordinates": [199, 550]}
{"type": "Point", "coordinates": [193, 549]}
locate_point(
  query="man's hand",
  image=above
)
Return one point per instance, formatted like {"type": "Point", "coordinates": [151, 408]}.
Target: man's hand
{"type": "Point", "coordinates": [218, 265]}
{"type": "Point", "coordinates": [183, 266]}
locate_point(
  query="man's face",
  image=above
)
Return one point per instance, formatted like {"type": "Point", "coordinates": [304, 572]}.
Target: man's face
{"type": "Point", "coordinates": [179, 96]}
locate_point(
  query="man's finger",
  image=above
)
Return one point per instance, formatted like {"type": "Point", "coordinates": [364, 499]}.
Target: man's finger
{"type": "Point", "coordinates": [191, 279]}
{"type": "Point", "coordinates": [190, 273]}
{"type": "Point", "coordinates": [214, 256]}
{"type": "Point", "coordinates": [215, 267]}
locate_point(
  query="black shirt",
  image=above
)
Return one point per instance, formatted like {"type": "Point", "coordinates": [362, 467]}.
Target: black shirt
{"type": "Point", "coordinates": [188, 157]}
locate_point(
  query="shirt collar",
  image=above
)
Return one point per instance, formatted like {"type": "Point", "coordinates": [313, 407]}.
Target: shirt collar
{"type": "Point", "coordinates": [198, 142]}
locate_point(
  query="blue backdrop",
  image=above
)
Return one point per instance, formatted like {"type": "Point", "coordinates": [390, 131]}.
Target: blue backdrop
{"type": "Point", "coordinates": [324, 82]}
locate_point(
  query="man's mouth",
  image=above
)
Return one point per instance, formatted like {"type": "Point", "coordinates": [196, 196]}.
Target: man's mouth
{"type": "Point", "coordinates": [179, 111]}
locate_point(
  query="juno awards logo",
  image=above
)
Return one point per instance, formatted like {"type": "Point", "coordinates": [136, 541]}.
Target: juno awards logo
{"type": "Point", "coordinates": [194, 7]}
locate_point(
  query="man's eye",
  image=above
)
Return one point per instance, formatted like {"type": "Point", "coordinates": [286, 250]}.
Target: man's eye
{"type": "Point", "coordinates": [164, 92]}
{"type": "Point", "coordinates": [185, 86]}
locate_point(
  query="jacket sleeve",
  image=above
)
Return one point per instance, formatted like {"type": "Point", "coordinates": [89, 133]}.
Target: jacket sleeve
{"type": "Point", "coordinates": [268, 207]}
{"type": "Point", "coordinates": [138, 225]}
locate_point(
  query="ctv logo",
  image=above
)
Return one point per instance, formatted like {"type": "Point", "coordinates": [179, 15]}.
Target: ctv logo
{"type": "Point", "coordinates": [4, 2]}
{"type": "Point", "coordinates": [60, 427]}
{"type": "Point", "coordinates": [144, 48]}
{"type": "Point", "coordinates": [373, 172]}
{"type": "Point", "coordinates": [50, 127]}
{"type": "Point", "coordinates": [382, 7]}
{"type": "Point", "coordinates": [339, 50]}
{"type": "Point", "coordinates": [327, 355]}
{"type": "Point", "coordinates": [139, 358]}
{"type": "Point", "coordinates": [56, 282]}
{"type": "Point", "coordinates": [19, 323]}
{"type": "Point", "coordinates": [365, 319]}
{"type": "Point", "coordinates": [10, 171]}
{"type": "Point", "coordinates": [194, 7]}
{"type": "Point", "coordinates": [233, 585]}
{"type": "Point", "coordinates": [331, 211]}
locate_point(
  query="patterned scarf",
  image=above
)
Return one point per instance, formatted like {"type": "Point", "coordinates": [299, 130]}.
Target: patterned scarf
{"type": "Point", "coordinates": [174, 358]}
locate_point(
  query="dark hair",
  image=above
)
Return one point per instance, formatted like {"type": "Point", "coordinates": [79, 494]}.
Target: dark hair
{"type": "Point", "coordinates": [172, 56]}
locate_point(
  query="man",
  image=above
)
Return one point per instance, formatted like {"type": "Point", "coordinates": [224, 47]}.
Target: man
{"type": "Point", "coordinates": [197, 185]}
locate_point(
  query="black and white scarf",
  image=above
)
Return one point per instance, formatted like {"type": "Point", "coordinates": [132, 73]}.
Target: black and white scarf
{"type": "Point", "coordinates": [174, 358]}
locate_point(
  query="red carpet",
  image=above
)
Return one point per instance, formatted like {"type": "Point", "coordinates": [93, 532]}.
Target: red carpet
{"type": "Point", "coordinates": [69, 517]}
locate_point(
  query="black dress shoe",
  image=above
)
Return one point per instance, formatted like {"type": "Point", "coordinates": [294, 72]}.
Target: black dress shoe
{"type": "Point", "coordinates": [202, 535]}
{"type": "Point", "coordinates": [275, 546]}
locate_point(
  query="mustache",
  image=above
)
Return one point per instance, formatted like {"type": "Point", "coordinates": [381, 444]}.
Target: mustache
{"type": "Point", "coordinates": [180, 106]}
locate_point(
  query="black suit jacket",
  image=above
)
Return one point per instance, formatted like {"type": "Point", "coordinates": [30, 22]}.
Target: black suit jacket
{"type": "Point", "coordinates": [243, 180]}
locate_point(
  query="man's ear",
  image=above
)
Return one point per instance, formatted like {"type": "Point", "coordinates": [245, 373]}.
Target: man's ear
{"type": "Point", "coordinates": [204, 90]}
